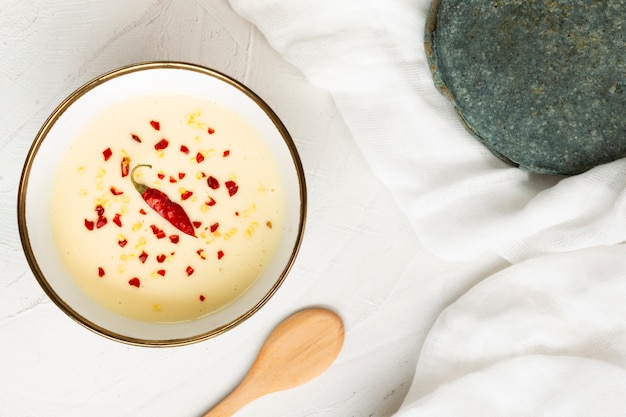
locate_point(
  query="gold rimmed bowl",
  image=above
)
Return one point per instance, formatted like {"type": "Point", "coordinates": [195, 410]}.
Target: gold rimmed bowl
{"type": "Point", "coordinates": [134, 239]}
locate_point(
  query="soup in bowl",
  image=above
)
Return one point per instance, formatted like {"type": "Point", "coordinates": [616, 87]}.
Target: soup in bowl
{"type": "Point", "coordinates": [161, 204]}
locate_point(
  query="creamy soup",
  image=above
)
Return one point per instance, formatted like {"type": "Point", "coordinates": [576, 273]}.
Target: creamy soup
{"type": "Point", "coordinates": [167, 207]}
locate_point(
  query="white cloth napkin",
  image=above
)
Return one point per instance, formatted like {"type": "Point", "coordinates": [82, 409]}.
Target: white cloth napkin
{"type": "Point", "coordinates": [545, 337]}
{"type": "Point", "coordinates": [461, 199]}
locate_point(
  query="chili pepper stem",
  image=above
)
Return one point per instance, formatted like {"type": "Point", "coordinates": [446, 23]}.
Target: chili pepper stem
{"type": "Point", "coordinates": [141, 188]}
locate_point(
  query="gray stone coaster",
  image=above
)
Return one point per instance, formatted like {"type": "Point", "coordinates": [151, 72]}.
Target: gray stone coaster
{"type": "Point", "coordinates": [541, 83]}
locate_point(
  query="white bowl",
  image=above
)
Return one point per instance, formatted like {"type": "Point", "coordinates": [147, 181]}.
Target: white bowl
{"type": "Point", "coordinates": [62, 127]}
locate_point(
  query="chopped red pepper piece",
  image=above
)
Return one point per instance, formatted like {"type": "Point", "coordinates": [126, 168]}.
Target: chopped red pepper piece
{"type": "Point", "coordinates": [181, 175]}
{"type": "Point", "coordinates": [117, 219]}
{"type": "Point", "coordinates": [161, 272]}
{"type": "Point", "coordinates": [226, 153]}
{"type": "Point", "coordinates": [134, 282]}
{"type": "Point", "coordinates": [135, 138]}
{"type": "Point", "coordinates": [99, 210]}
{"type": "Point", "coordinates": [173, 180]}
{"type": "Point", "coordinates": [197, 224]}
{"type": "Point", "coordinates": [155, 125]}
{"type": "Point", "coordinates": [213, 183]}
{"type": "Point", "coordinates": [122, 243]}
{"type": "Point", "coordinates": [115, 191]}
{"type": "Point", "coordinates": [220, 254]}
{"type": "Point", "coordinates": [101, 222]}
{"type": "Point", "coordinates": [142, 211]}
{"type": "Point", "coordinates": [100, 271]}
{"type": "Point", "coordinates": [160, 258]}
{"type": "Point", "coordinates": [143, 256]}
{"type": "Point", "coordinates": [199, 157]}
{"type": "Point", "coordinates": [125, 166]}
{"type": "Point", "coordinates": [162, 144]}
{"type": "Point", "coordinates": [202, 297]}
{"type": "Point", "coordinates": [232, 187]}
{"type": "Point", "coordinates": [184, 149]}
{"type": "Point", "coordinates": [210, 202]}
{"type": "Point", "coordinates": [185, 195]}
{"type": "Point", "coordinates": [174, 238]}
{"type": "Point", "coordinates": [161, 175]}
{"type": "Point", "coordinates": [89, 224]}
{"type": "Point", "coordinates": [214, 227]}
{"type": "Point", "coordinates": [189, 270]}
{"type": "Point", "coordinates": [211, 130]}
{"type": "Point", "coordinates": [159, 233]}
{"type": "Point", "coordinates": [107, 153]}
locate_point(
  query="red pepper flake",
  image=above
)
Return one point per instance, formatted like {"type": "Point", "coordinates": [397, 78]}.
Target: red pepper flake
{"type": "Point", "coordinates": [142, 211]}
{"type": "Point", "coordinates": [213, 183]}
{"type": "Point", "coordinates": [89, 224]}
{"type": "Point", "coordinates": [100, 271]}
{"type": "Point", "coordinates": [99, 210]}
{"type": "Point", "coordinates": [214, 227]}
{"type": "Point", "coordinates": [134, 282]}
{"type": "Point", "coordinates": [174, 238]}
{"type": "Point", "coordinates": [189, 270]}
{"type": "Point", "coordinates": [162, 144]}
{"type": "Point", "coordinates": [155, 125]}
{"type": "Point", "coordinates": [202, 297]}
{"type": "Point", "coordinates": [161, 272]}
{"type": "Point", "coordinates": [160, 234]}
{"type": "Point", "coordinates": [226, 153]}
{"type": "Point", "coordinates": [220, 254]}
{"type": "Point", "coordinates": [237, 213]}
{"type": "Point", "coordinates": [181, 175]}
{"type": "Point", "coordinates": [125, 166]}
{"type": "Point", "coordinates": [160, 258]}
{"type": "Point", "coordinates": [172, 180]}
{"type": "Point", "coordinates": [211, 130]}
{"type": "Point", "coordinates": [199, 157]}
{"type": "Point", "coordinates": [117, 219]}
{"type": "Point", "coordinates": [115, 191]}
{"type": "Point", "coordinates": [161, 175]}
{"type": "Point", "coordinates": [143, 256]}
{"type": "Point", "coordinates": [186, 195]}
{"type": "Point", "coordinates": [101, 222]}
{"type": "Point", "coordinates": [135, 137]}
{"type": "Point", "coordinates": [184, 149]}
{"type": "Point", "coordinates": [232, 187]}
{"type": "Point", "coordinates": [122, 243]}
{"type": "Point", "coordinates": [210, 202]}
{"type": "Point", "coordinates": [107, 153]}
{"type": "Point", "coordinates": [197, 224]}
{"type": "Point", "coordinates": [201, 253]}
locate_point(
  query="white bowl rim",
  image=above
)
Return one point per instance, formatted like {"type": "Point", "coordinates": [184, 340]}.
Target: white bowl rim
{"type": "Point", "coordinates": [41, 136]}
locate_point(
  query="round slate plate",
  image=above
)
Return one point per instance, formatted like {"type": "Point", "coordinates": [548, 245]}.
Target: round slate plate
{"type": "Point", "coordinates": [541, 83]}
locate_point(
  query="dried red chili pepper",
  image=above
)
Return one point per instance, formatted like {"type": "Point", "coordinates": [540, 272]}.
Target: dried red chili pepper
{"type": "Point", "coordinates": [161, 203]}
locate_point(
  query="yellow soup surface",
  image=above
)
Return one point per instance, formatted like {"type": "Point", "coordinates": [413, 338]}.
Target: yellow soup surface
{"type": "Point", "coordinates": [182, 237]}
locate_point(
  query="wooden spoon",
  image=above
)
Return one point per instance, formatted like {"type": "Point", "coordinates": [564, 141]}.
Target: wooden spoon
{"type": "Point", "coordinates": [299, 349]}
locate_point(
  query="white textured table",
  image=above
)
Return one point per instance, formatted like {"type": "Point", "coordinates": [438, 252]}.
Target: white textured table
{"type": "Point", "coordinates": [359, 255]}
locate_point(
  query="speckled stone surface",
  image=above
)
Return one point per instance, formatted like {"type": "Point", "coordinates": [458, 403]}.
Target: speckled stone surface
{"type": "Point", "coordinates": [541, 83]}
